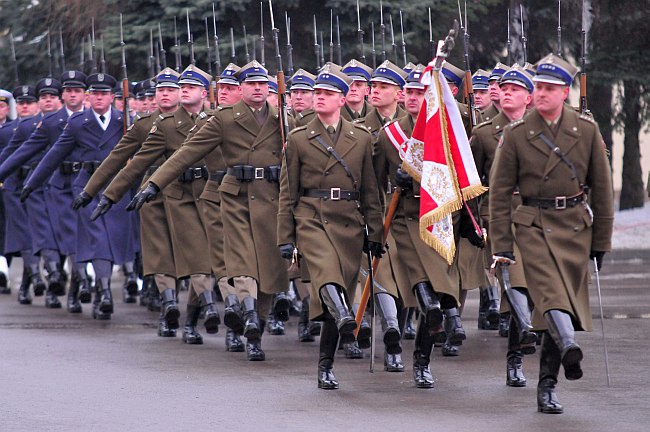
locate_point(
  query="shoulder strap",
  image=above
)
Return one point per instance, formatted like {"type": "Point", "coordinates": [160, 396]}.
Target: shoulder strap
{"type": "Point", "coordinates": [555, 149]}
{"type": "Point", "coordinates": [338, 158]}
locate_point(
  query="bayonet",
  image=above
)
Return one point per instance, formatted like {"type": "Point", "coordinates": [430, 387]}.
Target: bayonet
{"type": "Point", "coordinates": [161, 47]}
{"type": "Point", "coordinates": [211, 96]}
{"type": "Point", "coordinates": [322, 50]}
{"type": "Point", "coordinates": [392, 37]}
{"type": "Point", "coordinates": [82, 54]}
{"type": "Point", "coordinates": [157, 55]}
{"type": "Point", "coordinates": [559, 28]}
{"type": "Point", "coordinates": [382, 31]}
{"type": "Point", "coordinates": [152, 59]}
{"type": "Point", "coordinates": [93, 56]}
{"type": "Point", "coordinates": [287, 22]}
{"type": "Point", "coordinates": [360, 34]}
{"type": "Point", "coordinates": [177, 49]}
{"type": "Point", "coordinates": [523, 33]}
{"type": "Point", "coordinates": [468, 91]}
{"type": "Point", "coordinates": [49, 54]}
{"type": "Point", "coordinates": [339, 60]}
{"type": "Point", "coordinates": [282, 90]}
{"type": "Point", "coordinates": [190, 40]}
{"type": "Point", "coordinates": [262, 60]}
{"type": "Point", "coordinates": [401, 24]}
{"type": "Point", "coordinates": [217, 57]}
{"type": "Point", "coordinates": [62, 52]}
{"type": "Point", "coordinates": [374, 51]}
{"type": "Point", "coordinates": [432, 44]}
{"type": "Point", "coordinates": [331, 36]}
{"type": "Point", "coordinates": [102, 59]}
{"type": "Point", "coordinates": [13, 58]}
{"type": "Point", "coordinates": [248, 56]}
{"type": "Point", "coordinates": [126, 116]}
{"type": "Point", "coordinates": [316, 46]}
{"type": "Point", "coordinates": [586, 25]}
{"type": "Point", "coordinates": [254, 48]}
{"type": "Point", "coordinates": [233, 54]}
{"type": "Point", "coordinates": [508, 42]}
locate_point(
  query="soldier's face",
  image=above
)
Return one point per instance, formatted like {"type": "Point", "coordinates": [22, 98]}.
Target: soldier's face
{"type": "Point", "coordinates": [101, 101]}
{"type": "Point", "coordinates": [358, 91]}
{"type": "Point", "coordinates": [413, 99]}
{"type": "Point", "coordinates": [73, 98]}
{"type": "Point", "coordinates": [4, 111]}
{"type": "Point", "coordinates": [192, 94]}
{"type": "Point", "coordinates": [151, 103]}
{"type": "Point", "coordinates": [167, 98]}
{"type": "Point", "coordinates": [383, 94]}
{"type": "Point", "coordinates": [549, 98]}
{"type": "Point", "coordinates": [228, 94]}
{"type": "Point", "coordinates": [49, 103]}
{"type": "Point", "coordinates": [328, 102]}
{"type": "Point", "coordinates": [495, 91]}
{"type": "Point", "coordinates": [26, 108]}
{"type": "Point", "coordinates": [302, 100]}
{"type": "Point", "coordinates": [254, 93]}
{"type": "Point", "coordinates": [514, 97]}
{"type": "Point", "coordinates": [481, 98]}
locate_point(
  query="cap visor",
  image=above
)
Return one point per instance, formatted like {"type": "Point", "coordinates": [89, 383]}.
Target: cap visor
{"type": "Point", "coordinates": [328, 87]}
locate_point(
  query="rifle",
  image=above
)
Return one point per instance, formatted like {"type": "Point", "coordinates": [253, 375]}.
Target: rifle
{"type": "Point", "coordinates": [586, 24]}
{"type": "Point", "coordinates": [316, 46]}
{"type": "Point", "coordinates": [61, 47]}
{"type": "Point", "coordinates": [382, 31]}
{"type": "Point", "coordinates": [360, 34]}
{"type": "Point", "coordinates": [468, 89]}
{"type": "Point", "coordinates": [374, 52]}
{"type": "Point", "coordinates": [322, 50]}
{"type": "Point", "coordinates": [331, 36]}
{"type": "Point", "coordinates": [508, 41]}
{"type": "Point", "coordinates": [152, 59]}
{"type": "Point", "coordinates": [207, 47]}
{"type": "Point", "coordinates": [248, 56]}
{"type": "Point", "coordinates": [262, 35]}
{"type": "Point", "coordinates": [338, 42]}
{"type": "Point", "coordinates": [93, 56]}
{"type": "Point", "coordinates": [49, 54]}
{"type": "Point", "coordinates": [190, 40]}
{"type": "Point", "coordinates": [217, 57]}
{"type": "Point", "coordinates": [126, 117]}
{"type": "Point", "coordinates": [161, 48]}
{"type": "Point", "coordinates": [102, 60]}
{"type": "Point", "coordinates": [177, 49]}
{"type": "Point", "coordinates": [392, 37]}
{"type": "Point", "coordinates": [82, 60]}
{"type": "Point", "coordinates": [287, 22]}
{"type": "Point", "coordinates": [13, 59]}
{"type": "Point", "coordinates": [523, 33]}
{"type": "Point", "coordinates": [233, 55]}
{"type": "Point", "coordinates": [432, 44]}
{"type": "Point", "coordinates": [282, 89]}
{"type": "Point", "coordinates": [559, 28]}
{"type": "Point", "coordinates": [401, 24]}
{"type": "Point", "coordinates": [254, 47]}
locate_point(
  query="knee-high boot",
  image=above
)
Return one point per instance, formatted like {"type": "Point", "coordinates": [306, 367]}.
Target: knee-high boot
{"type": "Point", "coordinates": [329, 340]}
{"type": "Point", "coordinates": [549, 368]}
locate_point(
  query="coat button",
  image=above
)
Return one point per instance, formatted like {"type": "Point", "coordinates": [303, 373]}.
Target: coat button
{"type": "Point", "coordinates": [576, 229]}
{"type": "Point", "coordinates": [548, 230]}
{"type": "Point", "coordinates": [545, 178]}
{"type": "Point", "coordinates": [252, 149]}
{"type": "Point", "coordinates": [325, 221]}
{"type": "Point", "coordinates": [409, 219]}
{"type": "Point", "coordinates": [327, 173]}
{"type": "Point", "coordinates": [252, 197]}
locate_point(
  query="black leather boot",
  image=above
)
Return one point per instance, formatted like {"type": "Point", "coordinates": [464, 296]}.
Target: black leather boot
{"type": "Point", "coordinates": [421, 356]}
{"type": "Point", "coordinates": [252, 329]}
{"type": "Point", "coordinates": [24, 297]}
{"type": "Point", "coordinates": [55, 280]}
{"type": "Point", "coordinates": [106, 299]}
{"type": "Point", "coordinates": [388, 311]}
{"type": "Point", "coordinates": [335, 302]}
{"type": "Point", "coordinates": [514, 358]}
{"type": "Point", "coordinates": [281, 306]}
{"type": "Point", "coordinates": [37, 281]}
{"type": "Point", "coordinates": [520, 311]}
{"type": "Point", "coordinates": [97, 313]}
{"type": "Point", "coordinates": [4, 284]}
{"type": "Point", "coordinates": [52, 301]}
{"type": "Point", "coordinates": [130, 287]}
{"type": "Point", "coordinates": [169, 310]}
{"type": "Point", "coordinates": [560, 327]}
{"type": "Point", "coordinates": [232, 316]}
{"type": "Point", "coordinates": [164, 329]}
{"type": "Point", "coordinates": [314, 328]}
{"type": "Point", "coordinates": [329, 340]}
{"type": "Point", "coordinates": [393, 362]}
{"type": "Point", "coordinates": [233, 342]}
{"type": "Point", "coordinates": [254, 350]}
{"type": "Point", "coordinates": [409, 329]}
{"type": "Point", "coordinates": [73, 304]}
{"type": "Point", "coordinates": [365, 329]}
{"type": "Point", "coordinates": [492, 312]}
{"type": "Point", "coordinates": [549, 368]}
{"type": "Point", "coordinates": [304, 333]}
{"type": "Point", "coordinates": [482, 308]}
{"type": "Point", "coordinates": [212, 319]}
{"type": "Point", "coordinates": [144, 290]}
{"type": "Point", "coordinates": [190, 334]}
{"type": "Point", "coordinates": [454, 327]}
{"type": "Point", "coordinates": [352, 351]}
{"type": "Point", "coordinates": [274, 325]}
{"type": "Point", "coordinates": [504, 324]}
{"type": "Point", "coordinates": [85, 292]}
{"type": "Point", "coordinates": [429, 303]}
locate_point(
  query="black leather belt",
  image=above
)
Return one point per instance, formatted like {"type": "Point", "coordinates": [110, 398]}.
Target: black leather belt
{"type": "Point", "coordinates": [217, 176]}
{"type": "Point", "coordinates": [90, 166]}
{"type": "Point", "coordinates": [24, 171]}
{"type": "Point", "coordinates": [192, 174]}
{"type": "Point", "coordinates": [334, 194]}
{"type": "Point", "coordinates": [69, 168]}
{"type": "Point", "coordinates": [557, 203]}
{"type": "Point", "coordinates": [152, 169]}
{"type": "Point", "coordinates": [248, 173]}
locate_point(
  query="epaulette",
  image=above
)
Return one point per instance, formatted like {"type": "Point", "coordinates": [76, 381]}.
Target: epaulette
{"type": "Point", "coordinates": [296, 129]}
{"type": "Point", "coordinates": [588, 118]}
{"type": "Point", "coordinates": [203, 114]}
{"type": "Point", "coordinates": [164, 116]}
{"type": "Point", "coordinates": [141, 116]}
{"type": "Point", "coordinates": [516, 123]}
{"type": "Point", "coordinates": [483, 124]}
{"type": "Point", "coordinates": [360, 127]}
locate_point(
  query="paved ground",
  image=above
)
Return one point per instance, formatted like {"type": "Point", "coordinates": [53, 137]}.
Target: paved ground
{"type": "Point", "coordinates": [63, 373]}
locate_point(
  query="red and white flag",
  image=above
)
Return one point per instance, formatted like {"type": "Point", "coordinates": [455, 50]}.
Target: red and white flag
{"type": "Point", "coordinates": [439, 157]}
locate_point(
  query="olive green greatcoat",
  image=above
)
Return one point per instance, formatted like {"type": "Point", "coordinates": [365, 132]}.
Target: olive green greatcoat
{"type": "Point", "coordinates": [302, 118]}
{"type": "Point", "coordinates": [248, 210]}
{"type": "Point", "coordinates": [422, 262]}
{"type": "Point", "coordinates": [328, 233]}
{"type": "Point", "coordinates": [554, 244]}
{"type": "Point", "coordinates": [155, 240]}
{"type": "Point", "coordinates": [488, 113]}
{"type": "Point", "coordinates": [189, 238]}
{"type": "Point", "coordinates": [347, 114]}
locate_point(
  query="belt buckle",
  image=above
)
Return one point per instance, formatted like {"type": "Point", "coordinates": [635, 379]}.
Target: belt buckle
{"type": "Point", "coordinates": [259, 173]}
{"type": "Point", "coordinates": [560, 202]}
{"type": "Point", "coordinates": [76, 166]}
{"type": "Point", "coordinates": [335, 194]}
{"type": "Point", "coordinates": [197, 173]}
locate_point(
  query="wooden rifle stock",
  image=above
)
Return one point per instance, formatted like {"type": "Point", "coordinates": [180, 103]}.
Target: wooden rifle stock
{"type": "Point", "coordinates": [126, 115]}
{"type": "Point", "coordinates": [583, 93]}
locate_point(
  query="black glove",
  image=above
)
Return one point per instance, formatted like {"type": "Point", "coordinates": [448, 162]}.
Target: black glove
{"type": "Point", "coordinates": [504, 258]}
{"type": "Point", "coordinates": [104, 206]}
{"type": "Point", "coordinates": [26, 192]}
{"type": "Point", "coordinates": [599, 257]}
{"type": "Point", "coordinates": [144, 196]}
{"type": "Point", "coordinates": [469, 232]}
{"type": "Point", "coordinates": [286, 250]}
{"type": "Point", "coordinates": [82, 200]}
{"type": "Point", "coordinates": [374, 248]}
{"type": "Point", "coordinates": [403, 179]}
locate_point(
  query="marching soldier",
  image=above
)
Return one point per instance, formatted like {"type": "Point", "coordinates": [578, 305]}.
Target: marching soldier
{"type": "Point", "coordinates": [87, 139]}
{"type": "Point", "coordinates": [248, 135]}
{"type": "Point", "coordinates": [356, 105]}
{"type": "Point", "coordinates": [157, 251]}
{"type": "Point", "coordinates": [188, 235]}
{"type": "Point", "coordinates": [481, 87]}
{"type": "Point", "coordinates": [302, 97]}
{"type": "Point", "coordinates": [516, 88]}
{"type": "Point", "coordinates": [328, 194]}
{"type": "Point", "coordinates": [557, 159]}
{"type": "Point", "coordinates": [495, 92]}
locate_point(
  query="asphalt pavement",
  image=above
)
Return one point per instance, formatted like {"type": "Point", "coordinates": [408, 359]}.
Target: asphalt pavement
{"type": "Point", "coordinates": [63, 372]}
